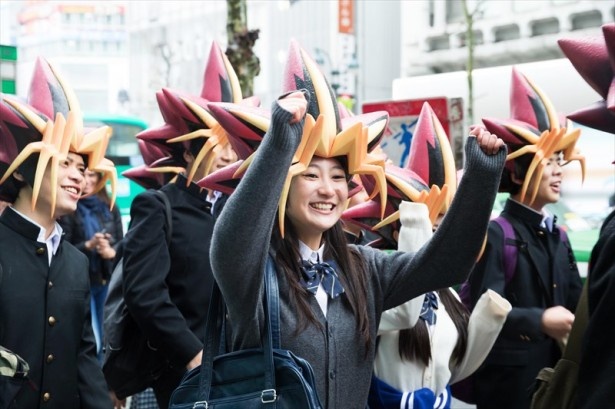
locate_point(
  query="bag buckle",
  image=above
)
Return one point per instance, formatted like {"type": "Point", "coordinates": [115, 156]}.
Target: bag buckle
{"type": "Point", "coordinates": [268, 396]}
{"type": "Point", "coordinates": [200, 404]}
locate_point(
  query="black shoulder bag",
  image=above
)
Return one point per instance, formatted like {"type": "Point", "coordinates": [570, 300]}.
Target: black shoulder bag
{"type": "Point", "coordinates": [269, 377]}
{"type": "Point", "coordinates": [131, 364]}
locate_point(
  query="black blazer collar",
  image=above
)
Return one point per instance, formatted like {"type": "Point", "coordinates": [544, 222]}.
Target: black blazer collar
{"type": "Point", "coordinates": [523, 212]}
{"type": "Point", "coordinates": [194, 189]}
{"type": "Point", "coordinates": [15, 222]}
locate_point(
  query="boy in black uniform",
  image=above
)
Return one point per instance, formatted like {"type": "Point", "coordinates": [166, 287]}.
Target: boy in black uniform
{"type": "Point", "coordinates": [167, 287]}
{"type": "Point", "coordinates": [44, 283]}
{"type": "Point", "coordinates": [545, 285]}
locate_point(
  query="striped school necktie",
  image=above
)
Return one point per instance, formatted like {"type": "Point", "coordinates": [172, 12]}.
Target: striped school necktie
{"type": "Point", "coordinates": [314, 274]}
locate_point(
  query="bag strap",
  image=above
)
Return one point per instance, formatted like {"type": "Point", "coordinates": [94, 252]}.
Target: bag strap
{"type": "Point", "coordinates": [168, 213]}
{"type": "Point", "coordinates": [572, 352]}
{"type": "Point", "coordinates": [271, 333]}
{"type": "Point", "coordinates": [510, 248]}
{"type": "Point", "coordinates": [509, 260]}
{"type": "Point", "coordinates": [511, 252]}
{"type": "Point", "coordinates": [271, 311]}
{"type": "Point", "coordinates": [273, 302]}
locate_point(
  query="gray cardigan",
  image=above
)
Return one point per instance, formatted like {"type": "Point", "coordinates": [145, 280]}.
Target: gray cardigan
{"type": "Point", "coordinates": [336, 352]}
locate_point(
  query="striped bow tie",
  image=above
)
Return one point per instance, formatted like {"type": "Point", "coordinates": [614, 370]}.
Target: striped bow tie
{"type": "Point", "coordinates": [430, 304]}
{"type": "Point", "coordinates": [314, 274]}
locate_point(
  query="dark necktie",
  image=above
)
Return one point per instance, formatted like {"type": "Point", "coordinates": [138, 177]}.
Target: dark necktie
{"type": "Point", "coordinates": [430, 303]}
{"type": "Point", "coordinates": [314, 274]}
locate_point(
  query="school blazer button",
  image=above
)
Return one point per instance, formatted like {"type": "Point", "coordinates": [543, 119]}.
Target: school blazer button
{"type": "Point", "coordinates": [52, 321]}
{"type": "Point", "coordinates": [46, 397]}
{"type": "Point", "coordinates": [50, 358]}
{"type": "Point", "coordinates": [40, 251]}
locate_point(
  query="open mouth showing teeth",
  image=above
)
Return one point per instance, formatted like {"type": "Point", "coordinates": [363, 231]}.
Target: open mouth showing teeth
{"type": "Point", "coordinates": [322, 206]}
{"type": "Point", "coordinates": [71, 190]}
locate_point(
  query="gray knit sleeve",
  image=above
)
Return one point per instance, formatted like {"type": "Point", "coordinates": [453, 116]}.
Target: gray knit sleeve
{"type": "Point", "coordinates": [243, 230]}
{"type": "Point", "coordinates": [449, 256]}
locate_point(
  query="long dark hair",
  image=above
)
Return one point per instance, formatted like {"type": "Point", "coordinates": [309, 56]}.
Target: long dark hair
{"type": "Point", "coordinates": [414, 343]}
{"type": "Point", "coordinates": [352, 274]}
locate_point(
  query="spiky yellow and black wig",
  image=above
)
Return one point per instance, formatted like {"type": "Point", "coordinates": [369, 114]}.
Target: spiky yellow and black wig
{"type": "Point", "coordinates": [534, 128]}
{"type": "Point", "coordinates": [429, 177]}
{"type": "Point", "coordinates": [325, 134]}
{"type": "Point", "coordinates": [50, 125]}
{"type": "Point", "coordinates": [187, 118]}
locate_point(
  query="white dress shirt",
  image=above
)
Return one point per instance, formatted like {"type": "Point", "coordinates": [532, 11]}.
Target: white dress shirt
{"type": "Point", "coordinates": [52, 242]}
{"type": "Point", "coordinates": [315, 257]}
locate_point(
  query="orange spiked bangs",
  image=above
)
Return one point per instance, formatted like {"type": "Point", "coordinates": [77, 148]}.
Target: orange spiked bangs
{"type": "Point", "coordinates": [51, 125]}
{"type": "Point", "coordinates": [187, 117]}
{"type": "Point", "coordinates": [157, 169]}
{"type": "Point", "coordinates": [325, 134]}
{"type": "Point", "coordinates": [430, 177]}
{"type": "Point", "coordinates": [162, 161]}
{"type": "Point", "coordinates": [245, 126]}
{"type": "Point", "coordinates": [402, 184]}
{"type": "Point", "coordinates": [533, 129]}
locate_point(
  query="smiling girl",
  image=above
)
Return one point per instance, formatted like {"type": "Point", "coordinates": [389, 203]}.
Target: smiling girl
{"type": "Point", "coordinates": [289, 209]}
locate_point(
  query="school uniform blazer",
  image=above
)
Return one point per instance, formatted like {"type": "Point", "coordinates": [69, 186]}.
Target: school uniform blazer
{"type": "Point", "coordinates": [546, 275]}
{"type": "Point", "coordinates": [45, 318]}
{"type": "Point", "coordinates": [167, 289]}
{"type": "Point", "coordinates": [596, 386]}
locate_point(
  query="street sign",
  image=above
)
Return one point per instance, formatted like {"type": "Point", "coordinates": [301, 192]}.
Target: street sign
{"type": "Point", "coordinates": [404, 116]}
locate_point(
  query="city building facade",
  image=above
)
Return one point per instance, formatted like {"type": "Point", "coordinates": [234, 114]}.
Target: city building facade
{"type": "Point", "coordinates": [86, 40]}
{"type": "Point", "coordinates": [118, 53]}
{"type": "Point", "coordinates": [505, 31]}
